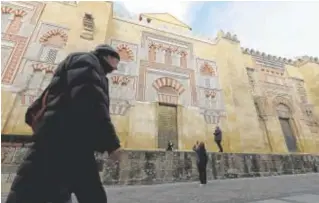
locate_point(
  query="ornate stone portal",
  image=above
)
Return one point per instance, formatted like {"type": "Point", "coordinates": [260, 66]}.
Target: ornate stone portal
{"type": "Point", "coordinates": [274, 97]}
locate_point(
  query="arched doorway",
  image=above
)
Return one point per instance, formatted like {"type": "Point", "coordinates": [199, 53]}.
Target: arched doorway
{"type": "Point", "coordinates": [168, 91]}
{"type": "Point", "coordinates": [285, 118]}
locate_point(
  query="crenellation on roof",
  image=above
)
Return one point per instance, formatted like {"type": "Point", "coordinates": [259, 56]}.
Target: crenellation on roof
{"type": "Point", "coordinates": [228, 36]}
{"type": "Point", "coordinates": [296, 62]}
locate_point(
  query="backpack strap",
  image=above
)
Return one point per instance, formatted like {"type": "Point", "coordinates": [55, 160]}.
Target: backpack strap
{"type": "Point", "coordinates": [39, 114]}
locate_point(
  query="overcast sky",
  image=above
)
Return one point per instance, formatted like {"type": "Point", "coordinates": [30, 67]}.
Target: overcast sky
{"type": "Point", "coordinates": [286, 29]}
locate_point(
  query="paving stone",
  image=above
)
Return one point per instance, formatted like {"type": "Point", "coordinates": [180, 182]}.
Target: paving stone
{"type": "Point", "coordinates": [270, 201]}
{"type": "Point", "coordinates": [245, 190]}
{"type": "Point", "coordinates": [306, 198]}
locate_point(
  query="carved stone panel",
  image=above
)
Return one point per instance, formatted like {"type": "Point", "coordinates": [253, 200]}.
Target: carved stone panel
{"type": "Point", "coordinates": [122, 93]}
{"type": "Point", "coordinates": [168, 90]}
{"type": "Point", "coordinates": [210, 99]}
{"type": "Point", "coordinates": [19, 20]}
{"type": "Point", "coordinates": [88, 27]}
{"type": "Point", "coordinates": [268, 61]}
{"type": "Point", "coordinates": [209, 95]}
{"type": "Point", "coordinates": [280, 101]}
{"type": "Point", "coordinates": [33, 80]}
{"type": "Point", "coordinates": [166, 50]}
{"type": "Point", "coordinates": [262, 106]}
{"type": "Point", "coordinates": [310, 118]}
{"type": "Point", "coordinates": [128, 51]}
{"type": "Point", "coordinates": [48, 44]}
{"type": "Point", "coordinates": [129, 60]}
{"type": "Point", "coordinates": [300, 89]}
{"type": "Point", "coordinates": [122, 87]}
{"type": "Point", "coordinates": [206, 67]}
{"type": "Point", "coordinates": [150, 72]}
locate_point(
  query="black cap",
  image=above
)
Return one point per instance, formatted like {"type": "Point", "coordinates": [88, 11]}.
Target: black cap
{"type": "Point", "coordinates": [107, 50]}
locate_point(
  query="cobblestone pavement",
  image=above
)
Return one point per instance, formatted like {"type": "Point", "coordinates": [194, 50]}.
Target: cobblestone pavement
{"type": "Point", "coordinates": [280, 189]}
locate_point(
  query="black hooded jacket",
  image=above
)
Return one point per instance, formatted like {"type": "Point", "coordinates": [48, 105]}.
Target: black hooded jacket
{"type": "Point", "coordinates": [73, 111]}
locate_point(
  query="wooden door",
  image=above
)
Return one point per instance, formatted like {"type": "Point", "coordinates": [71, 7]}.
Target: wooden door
{"type": "Point", "coordinates": [167, 126]}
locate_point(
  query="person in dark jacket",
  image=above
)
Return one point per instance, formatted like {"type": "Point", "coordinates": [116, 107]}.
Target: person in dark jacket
{"type": "Point", "coordinates": [218, 138]}
{"type": "Point", "coordinates": [170, 146]}
{"type": "Point", "coordinates": [202, 160]}
{"type": "Point", "coordinates": [70, 122]}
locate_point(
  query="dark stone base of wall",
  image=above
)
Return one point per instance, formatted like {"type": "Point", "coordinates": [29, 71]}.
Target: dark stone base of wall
{"type": "Point", "coordinates": [155, 167]}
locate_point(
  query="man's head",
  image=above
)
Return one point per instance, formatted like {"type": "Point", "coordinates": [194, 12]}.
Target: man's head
{"type": "Point", "coordinates": [217, 127]}
{"type": "Point", "coordinates": [108, 56]}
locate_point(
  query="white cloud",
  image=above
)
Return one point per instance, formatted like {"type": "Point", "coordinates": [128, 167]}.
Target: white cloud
{"type": "Point", "coordinates": [176, 8]}
{"type": "Point", "coordinates": [286, 29]}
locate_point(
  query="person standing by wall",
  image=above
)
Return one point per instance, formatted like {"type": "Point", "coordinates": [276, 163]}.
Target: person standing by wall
{"type": "Point", "coordinates": [202, 160]}
{"type": "Point", "coordinates": [170, 146]}
{"type": "Point", "coordinates": [218, 138]}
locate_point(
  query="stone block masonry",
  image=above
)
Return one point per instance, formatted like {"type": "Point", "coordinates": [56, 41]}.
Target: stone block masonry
{"type": "Point", "coordinates": [155, 167]}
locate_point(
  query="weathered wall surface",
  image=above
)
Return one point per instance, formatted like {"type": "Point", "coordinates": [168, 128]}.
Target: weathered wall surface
{"type": "Point", "coordinates": [36, 36]}
{"type": "Point", "coordinates": [212, 82]}
{"type": "Point", "coordinates": [152, 167]}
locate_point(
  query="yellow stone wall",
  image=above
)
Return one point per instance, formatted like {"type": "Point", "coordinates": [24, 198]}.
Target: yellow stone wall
{"type": "Point", "coordinates": [138, 128]}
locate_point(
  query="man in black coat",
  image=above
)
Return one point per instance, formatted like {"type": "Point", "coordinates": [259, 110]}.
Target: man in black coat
{"type": "Point", "coordinates": [70, 121]}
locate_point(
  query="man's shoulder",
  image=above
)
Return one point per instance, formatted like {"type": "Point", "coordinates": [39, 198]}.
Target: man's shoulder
{"type": "Point", "coordinates": [77, 57]}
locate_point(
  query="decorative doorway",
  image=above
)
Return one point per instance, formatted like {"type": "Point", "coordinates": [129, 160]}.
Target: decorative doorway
{"type": "Point", "coordinates": [167, 125]}
{"type": "Point", "coordinates": [284, 116]}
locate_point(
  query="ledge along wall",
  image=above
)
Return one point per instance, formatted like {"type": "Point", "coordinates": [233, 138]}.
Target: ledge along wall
{"type": "Point", "coordinates": [154, 167]}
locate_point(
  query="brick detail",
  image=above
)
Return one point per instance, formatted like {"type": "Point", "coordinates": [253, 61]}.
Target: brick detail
{"type": "Point", "coordinates": [142, 80]}
{"type": "Point", "coordinates": [207, 70]}
{"type": "Point", "coordinates": [16, 23]}
{"type": "Point", "coordinates": [183, 59]}
{"type": "Point", "coordinates": [120, 80]}
{"type": "Point", "coordinates": [6, 10]}
{"type": "Point", "coordinates": [152, 53]}
{"type": "Point", "coordinates": [210, 94]}
{"type": "Point", "coordinates": [54, 37]}
{"type": "Point", "coordinates": [125, 53]}
{"type": "Point", "coordinates": [168, 82]}
{"type": "Point", "coordinates": [12, 67]}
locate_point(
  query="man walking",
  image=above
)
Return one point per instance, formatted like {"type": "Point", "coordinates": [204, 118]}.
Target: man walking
{"type": "Point", "coordinates": [70, 121]}
{"type": "Point", "coordinates": [218, 138]}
